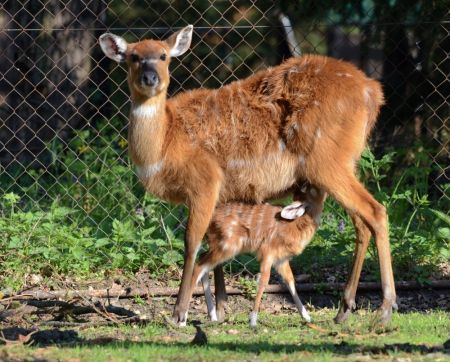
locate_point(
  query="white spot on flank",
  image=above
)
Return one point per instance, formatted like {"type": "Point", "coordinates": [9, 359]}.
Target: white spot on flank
{"type": "Point", "coordinates": [348, 75]}
{"type": "Point", "coordinates": [230, 231]}
{"type": "Point", "coordinates": [145, 111]}
{"type": "Point", "coordinates": [301, 160]}
{"type": "Point", "coordinates": [318, 133]}
{"type": "Point", "coordinates": [317, 70]}
{"type": "Point", "coordinates": [148, 171]}
{"type": "Point", "coordinates": [295, 69]}
{"type": "Point", "coordinates": [316, 103]}
{"type": "Point", "coordinates": [366, 94]}
{"type": "Point", "coordinates": [340, 105]}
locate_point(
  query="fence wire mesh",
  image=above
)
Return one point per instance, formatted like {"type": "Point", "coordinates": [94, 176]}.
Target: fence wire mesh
{"type": "Point", "coordinates": [64, 106]}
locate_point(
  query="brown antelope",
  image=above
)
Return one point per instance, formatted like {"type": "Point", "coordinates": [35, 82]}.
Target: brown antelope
{"type": "Point", "coordinates": [251, 140]}
{"type": "Point", "coordinates": [273, 233]}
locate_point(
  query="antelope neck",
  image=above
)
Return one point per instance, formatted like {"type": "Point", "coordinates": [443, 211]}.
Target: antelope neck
{"type": "Point", "coordinates": [147, 122]}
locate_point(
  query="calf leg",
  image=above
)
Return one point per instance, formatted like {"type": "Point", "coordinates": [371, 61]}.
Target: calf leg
{"type": "Point", "coordinates": [214, 256]}
{"type": "Point", "coordinates": [209, 298]}
{"type": "Point", "coordinates": [220, 291]}
{"type": "Point", "coordinates": [285, 272]}
{"type": "Point", "coordinates": [266, 264]}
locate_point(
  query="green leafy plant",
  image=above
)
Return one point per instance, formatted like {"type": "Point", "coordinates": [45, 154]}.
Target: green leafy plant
{"type": "Point", "coordinates": [249, 287]}
{"type": "Point", "coordinates": [86, 214]}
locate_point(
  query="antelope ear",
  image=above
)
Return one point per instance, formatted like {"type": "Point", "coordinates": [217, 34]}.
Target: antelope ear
{"type": "Point", "coordinates": [180, 41]}
{"type": "Point", "coordinates": [293, 211]}
{"type": "Point", "coordinates": [114, 47]}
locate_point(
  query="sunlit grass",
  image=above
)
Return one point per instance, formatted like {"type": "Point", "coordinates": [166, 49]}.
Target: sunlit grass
{"type": "Point", "coordinates": [419, 336]}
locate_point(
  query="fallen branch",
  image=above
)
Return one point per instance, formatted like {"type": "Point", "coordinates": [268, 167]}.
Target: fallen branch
{"type": "Point", "coordinates": [168, 291]}
{"type": "Point", "coordinates": [61, 324]}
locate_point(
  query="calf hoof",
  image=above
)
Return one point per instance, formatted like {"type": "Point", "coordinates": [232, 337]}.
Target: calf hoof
{"type": "Point", "coordinates": [253, 319]}
{"type": "Point", "coordinates": [213, 315]}
{"type": "Point", "coordinates": [306, 317]}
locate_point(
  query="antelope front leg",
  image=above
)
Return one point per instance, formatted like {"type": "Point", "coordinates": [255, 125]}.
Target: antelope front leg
{"type": "Point", "coordinates": [200, 213]}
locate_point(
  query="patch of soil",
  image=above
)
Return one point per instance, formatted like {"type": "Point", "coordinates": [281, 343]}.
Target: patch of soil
{"type": "Point", "coordinates": [18, 320]}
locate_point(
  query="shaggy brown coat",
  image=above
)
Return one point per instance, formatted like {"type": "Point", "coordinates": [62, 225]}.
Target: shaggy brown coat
{"type": "Point", "coordinates": [254, 139]}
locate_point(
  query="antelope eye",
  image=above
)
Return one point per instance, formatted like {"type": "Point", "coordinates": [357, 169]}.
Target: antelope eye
{"type": "Point", "coordinates": [134, 58]}
{"type": "Point", "coordinates": [163, 56]}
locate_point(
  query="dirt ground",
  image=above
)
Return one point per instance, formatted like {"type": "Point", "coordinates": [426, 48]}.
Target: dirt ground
{"type": "Point", "coordinates": [32, 320]}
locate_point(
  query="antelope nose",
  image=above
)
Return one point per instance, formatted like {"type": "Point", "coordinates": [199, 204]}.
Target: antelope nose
{"type": "Point", "coordinates": [150, 78]}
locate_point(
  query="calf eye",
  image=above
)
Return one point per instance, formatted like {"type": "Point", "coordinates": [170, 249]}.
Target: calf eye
{"type": "Point", "coordinates": [163, 56]}
{"type": "Point", "coordinates": [134, 58]}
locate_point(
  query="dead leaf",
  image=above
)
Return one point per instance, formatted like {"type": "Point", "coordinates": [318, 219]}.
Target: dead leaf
{"type": "Point", "coordinates": [233, 331]}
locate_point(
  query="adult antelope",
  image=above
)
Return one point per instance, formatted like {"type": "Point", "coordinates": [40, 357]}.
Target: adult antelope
{"type": "Point", "coordinates": [253, 139]}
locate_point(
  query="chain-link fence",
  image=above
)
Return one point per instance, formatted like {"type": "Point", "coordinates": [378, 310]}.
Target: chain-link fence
{"type": "Point", "coordinates": [64, 106]}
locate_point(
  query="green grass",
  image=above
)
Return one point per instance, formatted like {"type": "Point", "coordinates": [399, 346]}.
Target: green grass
{"type": "Point", "coordinates": [418, 336]}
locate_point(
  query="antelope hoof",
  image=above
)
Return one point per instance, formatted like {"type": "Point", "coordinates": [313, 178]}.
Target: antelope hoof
{"type": "Point", "coordinates": [180, 317]}
{"type": "Point", "coordinates": [344, 311]}
{"type": "Point", "coordinates": [342, 315]}
{"type": "Point", "coordinates": [385, 313]}
{"type": "Point", "coordinates": [220, 315]}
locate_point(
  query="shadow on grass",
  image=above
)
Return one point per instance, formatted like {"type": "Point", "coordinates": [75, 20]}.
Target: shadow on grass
{"type": "Point", "coordinates": [342, 348]}
{"type": "Point", "coordinates": [71, 338]}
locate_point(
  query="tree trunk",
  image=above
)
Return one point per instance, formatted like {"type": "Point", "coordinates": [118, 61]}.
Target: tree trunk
{"type": "Point", "coordinates": [45, 74]}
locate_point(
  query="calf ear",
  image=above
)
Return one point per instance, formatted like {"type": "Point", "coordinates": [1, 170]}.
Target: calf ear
{"type": "Point", "coordinates": [180, 41]}
{"type": "Point", "coordinates": [114, 47]}
{"type": "Point", "coordinates": [293, 211]}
